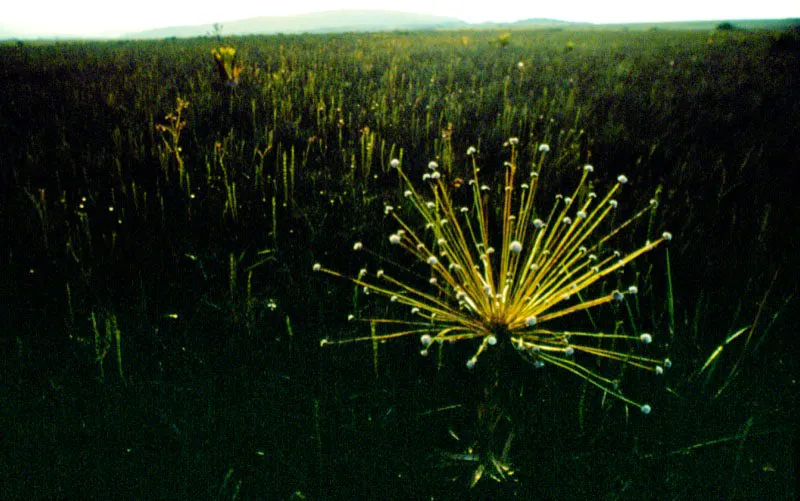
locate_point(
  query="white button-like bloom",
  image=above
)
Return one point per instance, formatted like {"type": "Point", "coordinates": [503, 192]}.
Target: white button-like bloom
{"type": "Point", "coordinates": [395, 163]}
{"type": "Point", "coordinates": [538, 223]}
{"type": "Point", "coordinates": [387, 210]}
{"type": "Point", "coordinates": [432, 260]}
{"type": "Point", "coordinates": [613, 203]}
{"type": "Point", "coordinates": [433, 165]}
{"type": "Point", "coordinates": [588, 168]}
{"type": "Point", "coordinates": [513, 140]}
{"type": "Point", "coordinates": [622, 179]}
{"type": "Point", "coordinates": [358, 246]}
{"type": "Point", "coordinates": [633, 289]}
{"type": "Point", "coordinates": [530, 321]}
{"type": "Point", "coordinates": [361, 273]}
{"type": "Point", "coordinates": [646, 338]}
{"type": "Point", "coordinates": [491, 340]}
{"type": "Point", "coordinates": [426, 340]}
{"type": "Point", "coordinates": [316, 267]}
{"type": "Point", "coordinates": [581, 214]}
{"type": "Point", "coordinates": [515, 247]}
{"type": "Point", "coordinates": [666, 236]}
{"type": "Point", "coordinates": [471, 151]}
{"type": "Point", "coordinates": [646, 409]}
{"type": "Point", "coordinates": [394, 239]}
{"type": "Point", "coordinates": [471, 363]}
{"type": "Point", "coordinates": [544, 148]}
{"type": "Point", "coordinates": [435, 175]}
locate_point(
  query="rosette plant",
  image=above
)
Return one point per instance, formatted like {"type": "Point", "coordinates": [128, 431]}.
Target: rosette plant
{"type": "Point", "coordinates": [500, 275]}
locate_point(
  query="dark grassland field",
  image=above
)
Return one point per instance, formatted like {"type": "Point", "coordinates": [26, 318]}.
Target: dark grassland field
{"type": "Point", "coordinates": [161, 322]}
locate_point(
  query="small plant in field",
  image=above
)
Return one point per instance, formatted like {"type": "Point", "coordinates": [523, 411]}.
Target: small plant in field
{"type": "Point", "coordinates": [503, 39]}
{"type": "Point", "coordinates": [504, 290]}
{"type": "Point", "coordinates": [228, 67]}
{"type": "Point", "coordinates": [216, 31]}
{"type": "Point", "coordinates": [171, 137]}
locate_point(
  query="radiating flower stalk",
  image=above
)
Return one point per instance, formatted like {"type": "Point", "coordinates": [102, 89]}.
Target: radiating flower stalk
{"type": "Point", "coordinates": [228, 68]}
{"type": "Point", "coordinates": [508, 292]}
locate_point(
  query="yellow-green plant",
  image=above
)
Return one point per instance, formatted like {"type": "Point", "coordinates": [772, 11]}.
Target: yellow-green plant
{"type": "Point", "coordinates": [509, 291]}
{"type": "Point", "coordinates": [503, 39]}
{"type": "Point", "coordinates": [228, 68]}
{"type": "Point", "coordinates": [171, 138]}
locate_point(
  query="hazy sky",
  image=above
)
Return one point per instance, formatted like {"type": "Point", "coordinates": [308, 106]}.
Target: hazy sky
{"type": "Point", "coordinates": [92, 17]}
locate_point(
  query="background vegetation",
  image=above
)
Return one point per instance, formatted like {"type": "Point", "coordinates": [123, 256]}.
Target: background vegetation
{"type": "Point", "coordinates": [162, 324]}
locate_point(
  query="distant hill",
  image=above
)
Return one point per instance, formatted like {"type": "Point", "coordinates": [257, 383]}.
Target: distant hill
{"type": "Point", "coordinates": [341, 21]}
{"type": "Point", "coordinates": [534, 23]}
{"type": "Point", "coordinates": [319, 22]}
{"type": "Point", "coordinates": [743, 24]}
